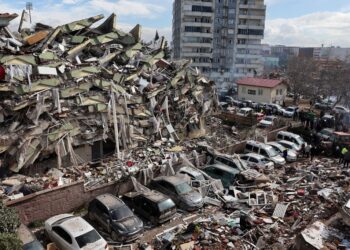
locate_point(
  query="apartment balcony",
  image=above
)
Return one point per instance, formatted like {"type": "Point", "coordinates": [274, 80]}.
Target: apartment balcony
{"type": "Point", "coordinates": [196, 24]}
{"type": "Point", "coordinates": [250, 56]}
{"type": "Point", "coordinates": [191, 13]}
{"type": "Point", "coordinates": [197, 54]}
{"type": "Point", "coordinates": [207, 4]}
{"type": "Point", "coordinates": [198, 34]}
{"type": "Point", "coordinates": [249, 26]}
{"type": "Point", "coordinates": [241, 36]}
{"type": "Point", "coordinates": [248, 65]}
{"type": "Point", "coordinates": [252, 17]}
{"type": "Point", "coordinates": [197, 45]}
{"type": "Point", "coordinates": [201, 64]}
{"type": "Point", "coordinates": [253, 6]}
{"type": "Point", "coordinates": [248, 46]}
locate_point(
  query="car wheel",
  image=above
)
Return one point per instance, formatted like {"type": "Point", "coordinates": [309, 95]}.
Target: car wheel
{"type": "Point", "coordinates": [114, 236]}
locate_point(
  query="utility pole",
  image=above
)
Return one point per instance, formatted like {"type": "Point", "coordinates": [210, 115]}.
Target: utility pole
{"type": "Point", "coordinates": [29, 7]}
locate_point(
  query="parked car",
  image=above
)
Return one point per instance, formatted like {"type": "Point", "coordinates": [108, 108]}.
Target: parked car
{"type": "Point", "coordinates": [265, 150]}
{"type": "Point", "coordinates": [340, 109]}
{"type": "Point", "coordinates": [152, 205]}
{"type": "Point", "coordinates": [292, 155]}
{"type": "Point", "coordinates": [267, 122]}
{"type": "Point", "coordinates": [115, 217]}
{"type": "Point", "coordinates": [261, 162]}
{"type": "Point", "coordinates": [327, 121]}
{"type": "Point", "coordinates": [245, 112]}
{"type": "Point", "coordinates": [290, 111]}
{"type": "Point", "coordinates": [323, 105]}
{"type": "Point", "coordinates": [325, 134]}
{"type": "Point", "coordinates": [276, 109]}
{"type": "Point", "coordinates": [290, 145]}
{"type": "Point", "coordinates": [288, 136]}
{"type": "Point", "coordinates": [226, 174]}
{"type": "Point", "coordinates": [28, 239]}
{"type": "Point", "coordinates": [233, 162]}
{"type": "Point", "coordinates": [71, 232]}
{"type": "Point", "coordinates": [192, 173]}
{"type": "Point", "coordinates": [179, 191]}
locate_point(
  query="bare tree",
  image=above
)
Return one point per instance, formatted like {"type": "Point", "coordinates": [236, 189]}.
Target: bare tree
{"type": "Point", "coordinates": [302, 73]}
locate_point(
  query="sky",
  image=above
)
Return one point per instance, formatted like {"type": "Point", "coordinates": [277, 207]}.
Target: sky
{"type": "Point", "coordinates": [302, 23]}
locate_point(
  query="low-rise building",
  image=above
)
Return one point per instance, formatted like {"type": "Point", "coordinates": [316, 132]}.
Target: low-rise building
{"type": "Point", "coordinates": [262, 90]}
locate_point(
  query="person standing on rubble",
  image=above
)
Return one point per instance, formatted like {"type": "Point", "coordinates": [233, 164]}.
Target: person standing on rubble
{"type": "Point", "coordinates": [343, 153]}
{"type": "Point", "coordinates": [347, 159]}
{"type": "Point", "coordinates": [313, 151]}
{"type": "Point", "coordinates": [307, 150]}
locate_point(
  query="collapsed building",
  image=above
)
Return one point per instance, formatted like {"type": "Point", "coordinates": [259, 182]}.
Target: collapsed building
{"type": "Point", "coordinates": [77, 86]}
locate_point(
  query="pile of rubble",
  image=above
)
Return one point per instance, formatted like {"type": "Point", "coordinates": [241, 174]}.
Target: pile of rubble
{"type": "Point", "coordinates": [74, 85]}
{"type": "Point", "coordinates": [305, 206]}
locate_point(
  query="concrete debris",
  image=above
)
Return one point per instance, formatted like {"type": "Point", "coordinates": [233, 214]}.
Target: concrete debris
{"type": "Point", "coordinates": [75, 85]}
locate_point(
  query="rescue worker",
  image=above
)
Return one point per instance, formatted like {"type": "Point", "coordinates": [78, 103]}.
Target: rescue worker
{"type": "Point", "coordinates": [347, 159]}
{"type": "Point", "coordinates": [343, 153]}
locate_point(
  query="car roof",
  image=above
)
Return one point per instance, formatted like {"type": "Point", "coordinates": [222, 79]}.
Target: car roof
{"type": "Point", "coordinates": [328, 129]}
{"type": "Point", "coordinates": [223, 167]}
{"type": "Point", "coordinates": [110, 201]}
{"type": "Point", "coordinates": [270, 116]}
{"type": "Point", "coordinates": [246, 109]}
{"type": "Point", "coordinates": [190, 170]}
{"type": "Point", "coordinates": [174, 180]}
{"type": "Point", "coordinates": [287, 133]}
{"type": "Point", "coordinates": [274, 143]}
{"type": "Point", "coordinates": [154, 196]}
{"type": "Point", "coordinates": [255, 155]}
{"type": "Point", "coordinates": [287, 142]}
{"type": "Point", "coordinates": [74, 225]}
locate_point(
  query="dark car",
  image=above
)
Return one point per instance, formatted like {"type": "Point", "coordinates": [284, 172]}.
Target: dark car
{"type": "Point", "coordinates": [226, 174]}
{"type": "Point", "coordinates": [151, 205]}
{"type": "Point", "coordinates": [179, 190]}
{"type": "Point", "coordinates": [28, 239]}
{"type": "Point", "coordinates": [325, 134]}
{"type": "Point", "coordinates": [116, 217]}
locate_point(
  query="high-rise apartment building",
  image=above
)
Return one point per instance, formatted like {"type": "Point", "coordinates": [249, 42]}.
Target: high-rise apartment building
{"type": "Point", "coordinates": [221, 37]}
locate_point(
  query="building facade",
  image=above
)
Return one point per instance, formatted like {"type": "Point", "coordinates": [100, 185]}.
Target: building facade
{"type": "Point", "coordinates": [262, 90]}
{"type": "Point", "coordinates": [221, 37]}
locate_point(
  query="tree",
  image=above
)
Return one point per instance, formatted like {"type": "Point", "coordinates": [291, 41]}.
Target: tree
{"type": "Point", "coordinates": [302, 74]}
{"type": "Point", "coordinates": [9, 223]}
{"type": "Point", "coordinates": [334, 80]}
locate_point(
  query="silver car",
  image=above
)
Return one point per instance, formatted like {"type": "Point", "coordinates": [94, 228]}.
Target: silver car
{"type": "Point", "coordinates": [290, 145]}
{"type": "Point", "coordinates": [179, 191]}
{"type": "Point", "coordinates": [291, 154]}
{"type": "Point", "coordinates": [71, 232]}
{"type": "Point", "coordinates": [259, 161]}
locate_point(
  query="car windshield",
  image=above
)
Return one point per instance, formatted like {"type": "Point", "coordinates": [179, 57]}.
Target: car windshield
{"type": "Point", "coordinates": [264, 160]}
{"type": "Point", "coordinates": [300, 140]}
{"type": "Point", "coordinates": [290, 109]}
{"type": "Point", "coordinates": [183, 188]}
{"type": "Point", "coordinates": [121, 213]}
{"type": "Point", "coordinates": [165, 205]}
{"type": "Point", "coordinates": [269, 119]}
{"type": "Point", "coordinates": [271, 152]}
{"type": "Point", "coordinates": [34, 245]}
{"type": "Point", "coordinates": [242, 165]}
{"type": "Point", "coordinates": [87, 238]}
{"type": "Point", "coordinates": [278, 148]}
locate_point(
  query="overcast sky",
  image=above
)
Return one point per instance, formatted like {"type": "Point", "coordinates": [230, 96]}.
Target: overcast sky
{"type": "Point", "coordinates": [288, 22]}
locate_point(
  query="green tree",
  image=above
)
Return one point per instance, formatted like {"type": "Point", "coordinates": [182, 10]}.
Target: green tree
{"type": "Point", "coordinates": [10, 241]}
{"type": "Point", "coordinates": [9, 223]}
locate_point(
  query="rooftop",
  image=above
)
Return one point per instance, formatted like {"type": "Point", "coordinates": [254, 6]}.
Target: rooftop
{"type": "Point", "coordinates": [259, 82]}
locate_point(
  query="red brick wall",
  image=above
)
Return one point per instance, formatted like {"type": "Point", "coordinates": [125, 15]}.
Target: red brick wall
{"type": "Point", "coordinates": [44, 204]}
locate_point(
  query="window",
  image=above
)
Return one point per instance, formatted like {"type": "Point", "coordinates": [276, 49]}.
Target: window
{"type": "Point", "coordinates": [251, 92]}
{"type": "Point", "coordinates": [88, 238]}
{"type": "Point", "coordinates": [243, 90]}
{"type": "Point", "coordinates": [260, 91]}
{"type": "Point", "coordinates": [101, 207]}
{"type": "Point", "coordinates": [249, 147]}
{"type": "Point", "coordinates": [253, 160]}
{"type": "Point", "coordinates": [63, 234]}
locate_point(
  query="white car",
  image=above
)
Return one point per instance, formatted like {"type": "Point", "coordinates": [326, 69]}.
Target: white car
{"type": "Point", "coordinates": [291, 154]}
{"type": "Point", "coordinates": [71, 232]}
{"type": "Point", "coordinates": [268, 121]}
{"type": "Point", "coordinates": [256, 160]}
{"type": "Point", "coordinates": [340, 109]}
{"type": "Point", "coordinates": [290, 111]}
{"type": "Point", "coordinates": [245, 112]}
{"type": "Point", "coordinates": [290, 145]}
